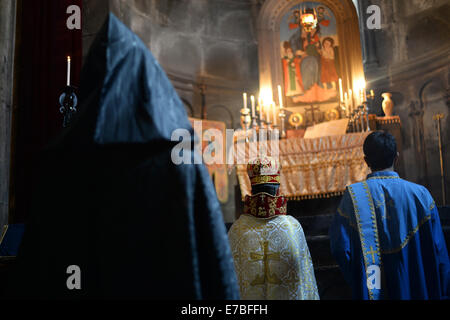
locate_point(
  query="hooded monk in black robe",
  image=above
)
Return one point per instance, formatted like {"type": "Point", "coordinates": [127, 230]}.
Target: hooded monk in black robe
{"type": "Point", "coordinates": [111, 201]}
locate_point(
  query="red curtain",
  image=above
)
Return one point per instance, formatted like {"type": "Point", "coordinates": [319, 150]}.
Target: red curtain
{"type": "Point", "coordinates": [43, 43]}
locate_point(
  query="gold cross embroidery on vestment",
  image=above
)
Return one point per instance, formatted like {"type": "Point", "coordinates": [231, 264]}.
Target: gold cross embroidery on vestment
{"type": "Point", "coordinates": [266, 256]}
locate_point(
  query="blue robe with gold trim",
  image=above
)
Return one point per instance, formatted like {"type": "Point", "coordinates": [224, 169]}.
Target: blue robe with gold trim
{"type": "Point", "coordinates": [404, 239]}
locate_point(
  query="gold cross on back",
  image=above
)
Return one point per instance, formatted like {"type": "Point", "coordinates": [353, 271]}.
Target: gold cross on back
{"type": "Point", "coordinates": [265, 257]}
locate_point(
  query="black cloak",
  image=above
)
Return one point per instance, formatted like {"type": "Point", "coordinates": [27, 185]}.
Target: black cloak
{"type": "Point", "coordinates": [111, 201]}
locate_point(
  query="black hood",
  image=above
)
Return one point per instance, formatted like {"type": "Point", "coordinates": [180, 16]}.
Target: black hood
{"type": "Point", "coordinates": [110, 199]}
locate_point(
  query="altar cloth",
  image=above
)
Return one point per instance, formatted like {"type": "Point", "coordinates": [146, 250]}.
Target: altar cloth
{"type": "Point", "coordinates": [312, 168]}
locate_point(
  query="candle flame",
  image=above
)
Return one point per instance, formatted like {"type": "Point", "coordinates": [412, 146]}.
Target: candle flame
{"type": "Point", "coordinates": [68, 58]}
{"type": "Point", "coordinates": [266, 96]}
{"type": "Point", "coordinates": [361, 84]}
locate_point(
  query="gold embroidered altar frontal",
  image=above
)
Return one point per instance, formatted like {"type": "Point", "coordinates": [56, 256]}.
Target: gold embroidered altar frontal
{"type": "Point", "coordinates": [312, 168]}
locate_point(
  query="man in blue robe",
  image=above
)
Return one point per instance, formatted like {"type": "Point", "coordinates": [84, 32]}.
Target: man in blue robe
{"type": "Point", "coordinates": [386, 235]}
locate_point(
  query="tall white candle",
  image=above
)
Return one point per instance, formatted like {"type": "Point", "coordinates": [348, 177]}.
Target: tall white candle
{"type": "Point", "coordinates": [245, 100]}
{"type": "Point", "coordinates": [280, 98]}
{"type": "Point", "coordinates": [68, 71]}
{"type": "Point", "coordinates": [261, 111]}
{"type": "Point", "coordinates": [340, 90]}
{"type": "Point", "coordinates": [252, 98]}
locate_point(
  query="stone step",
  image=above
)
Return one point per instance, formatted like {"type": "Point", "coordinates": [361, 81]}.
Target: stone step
{"type": "Point", "coordinates": [331, 283]}
{"type": "Point", "coordinates": [316, 225]}
{"type": "Point", "coordinates": [319, 248]}
{"type": "Point", "coordinates": [313, 207]}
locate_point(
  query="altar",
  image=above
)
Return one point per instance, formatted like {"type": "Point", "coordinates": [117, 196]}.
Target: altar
{"type": "Point", "coordinates": [312, 90]}
{"type": "Point", "coordinates": [312, 168]}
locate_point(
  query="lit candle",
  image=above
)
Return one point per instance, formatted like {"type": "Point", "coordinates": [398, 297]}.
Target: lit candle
{"type": "Point", "coordinates": [267, 109]}
{"type": "Point", "coordinates": [274, 111]}
{"type": "Point", "coordinates": [340, 90]}
{"type": "Point", "coordinates": [68, 71]}
{"type": "Point", "coordinates": [280, 98]}
{"type": "Point", "coordinates": [252, 98]}
{"type": "Point", "coordinates": [261, 114]}
{"type": "Point", "coordinates": [245, 100]}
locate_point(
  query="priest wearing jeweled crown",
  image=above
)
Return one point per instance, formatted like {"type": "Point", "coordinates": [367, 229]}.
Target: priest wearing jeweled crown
{"type": "Point", "coordinates": [271, 256]}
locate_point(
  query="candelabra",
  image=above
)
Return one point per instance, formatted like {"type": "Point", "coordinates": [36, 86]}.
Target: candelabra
{"type": "Point", "coordinates": [365, 108]}
{"type": "Point", "coordinates": [68, 102]}
{"type": "Point", "coordinates": [352, 121]}
{"type": "Point", "coordinates": [254, 124]}
{"type": "Point", "coordinates": [245, 121]}
{"type": "Point", "coordinates": [357, 123]}
{"type": "Point", "coordinates": [366, 114]}
{"type": "Point", "coordinates": [282, 117]}
{"type": "Point", "coordinates": [361, 116]}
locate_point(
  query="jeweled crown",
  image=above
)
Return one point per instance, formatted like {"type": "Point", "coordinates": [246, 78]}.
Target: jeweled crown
{"type": "Point", "coordinates": [264, 170]}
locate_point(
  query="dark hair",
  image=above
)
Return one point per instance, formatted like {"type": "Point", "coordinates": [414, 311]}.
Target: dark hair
{"type": "Point", "coordinates": [286, 45]}
{"type": "Point", "coordinates": [328, 39]}
{"type": "Point", "coordinates": [380, 150]}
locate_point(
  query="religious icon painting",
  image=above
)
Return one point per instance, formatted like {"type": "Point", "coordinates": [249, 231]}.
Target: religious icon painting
{"type": "Point", "coordinates": [310, 55]}
{"type": "Point", "coordinates": [214, 148]}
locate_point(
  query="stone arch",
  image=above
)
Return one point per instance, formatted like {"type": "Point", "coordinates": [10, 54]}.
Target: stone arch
{"type": "Point", "coordinates": [230, 122]}
{"type": "Point", "coordinates": [268, 27]}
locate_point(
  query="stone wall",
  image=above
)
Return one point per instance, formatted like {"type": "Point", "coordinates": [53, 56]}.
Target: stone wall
{"type": "Point", "coordinates": [214, 42]}
{"type": "Point", "coordinates": [412, 61]}
{"type": "Point", "coordinates": [7, 35]}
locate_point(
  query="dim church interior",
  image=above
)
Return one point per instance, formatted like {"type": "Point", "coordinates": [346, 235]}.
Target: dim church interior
{"type": "Point", "coordinates": [217, 44]}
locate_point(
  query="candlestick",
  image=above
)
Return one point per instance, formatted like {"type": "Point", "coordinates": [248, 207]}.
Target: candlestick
{"type": "Point", "coordinates": [280, 98]}
{"type": "Point", "coordinates": [68, 71]}
{"type": "Point", "coordinates": [261, 114]}
{"type": "Point", "coordinates": [252, 98]}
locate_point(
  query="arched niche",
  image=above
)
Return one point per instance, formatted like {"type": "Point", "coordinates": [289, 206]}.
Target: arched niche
{"type": "Point", "coordinates": [268, 29]}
